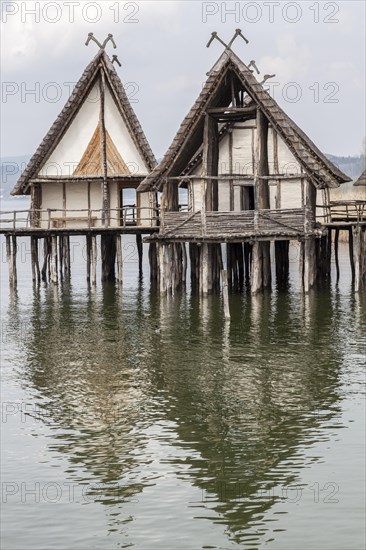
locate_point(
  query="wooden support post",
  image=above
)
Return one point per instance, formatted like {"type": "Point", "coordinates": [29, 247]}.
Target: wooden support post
{"type": "Point", "coordinates": [61, 256]}
{"type": "Point", "coordinates": [257, 269]}
{"type": "Point", "coordinates": [33, 259]}
{"type": "Point", "coordinates": [108, 246]}
{"type": "Point", "coordinates": [210, 202]}
{"type": "Point", "coordinates": [302, 264]}
{"type": "Point", "coordinates": [153, 262]}
{"type": "Point", "coordinates": [54, 275]}
{"type": "Point", "coordinates": [162, 268]}
{"type": "Point", "coordinates": [336, 252]}
{"type": "Point", "coordinates": [36, 260]}
{"type": "Point", "coordinates": [14, 251]}
{"type": "Point", "coordinates": [139, 251]}
{"type": "Point", "coordinates": [204, 269]}
{"type": "Point", "coordinates": [119, 258]}
{"type": "Point", "coordinates": [262, 190]}
{"type": "Point", "coordinates": [94, 259]}
{"type": "Point", "coordinates": [9, 259]}
{"type": "Point", "coordinates": [282, 263]}
{"type": "Point", "coordinates": [351, 257]}
{"type": "Point", "coordinates": [184, 263]}
{"type": "Point", "coordinates": [247, 262]}
{"type": "Point", "coordinates": [103, 136]}
{"type": "Point", "coordinates": [309, 264]}
{"type": "Point", "coordinates": [357, 256]}
{"type": "Point", "coordinates": [225, 293]}
{"type": "Point", "coordinates": [45, 258]}
{"type": "Point", "coordinates": [88, 256]}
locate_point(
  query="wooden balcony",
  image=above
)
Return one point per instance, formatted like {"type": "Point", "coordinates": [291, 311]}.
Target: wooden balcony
{"type": "Point", "coordinates": [130, 219]}
{"type": "Point", "coordinates": [236, 226]}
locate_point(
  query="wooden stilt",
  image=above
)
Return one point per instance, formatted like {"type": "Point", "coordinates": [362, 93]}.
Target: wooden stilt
{"type": "Point", "coordinates": [153, 262]}
{"type": "Point", "coordinates": [119, 258]}
{"type": "Point", "coordinates": [204, 269]}
{"type": "Point", "coordinates": [350, 248]}
{"type": "Point", "coordinates": [309, 264]}
{"type": "Point", "coordinates": [45, 259]}
{"type": "Point", "coordinates": [54, 275]}
{"type": "Point", "coordinates": [184, 264]}
{"type": "Point", "coordinates": [139, 251]}
{"type": "Point", "coordinates": [336, 253]}
{"type": "Point", "coordinates": [9, 260]}
{"type": "Point", "coordinates": [14, 251]}
{"type": "Point", "coordinates": [94, 259]}
{"type": "Point", "coordinates": [36, 260]}
{"type": "Point", "coordinates": [247, 262]}
{"type": "Point", "coordinates": [225, 293]}
{"type": "Point", "coordinates": [108, 246]}
{"type": "Point", "coordinates": [256, 272]}
{"type": "Point", "coordinates": [357, 256]}
{"type": "Point", "coordinates": [88, 257]}
{"type": "Point", "coordinates": [67, 256]}
{"type": "Point", "coordinates": [61, 256]}
{"type": "Point", "coordinates": [33, 259]}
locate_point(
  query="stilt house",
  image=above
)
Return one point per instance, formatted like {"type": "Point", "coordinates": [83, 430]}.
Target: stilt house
{"type": "Point", "coordinates": [86, 171]}
{"type": "Point", "coordinates": [250, 176]}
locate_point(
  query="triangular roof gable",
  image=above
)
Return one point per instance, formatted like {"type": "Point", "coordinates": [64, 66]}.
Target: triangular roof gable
{"type": "Point", "coordinates": [361, 180]}
{"type": "Point", "coordinates": [72, 107]}
{"type": "Point", "coordinates": [322, 172]}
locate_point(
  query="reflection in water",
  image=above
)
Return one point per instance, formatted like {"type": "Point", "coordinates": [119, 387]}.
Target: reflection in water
{"type": "Point", "coordinates": [137, 389]}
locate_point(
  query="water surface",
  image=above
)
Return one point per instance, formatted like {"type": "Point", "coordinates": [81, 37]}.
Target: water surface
{"type": "Point", "coordinates": [135, 421]}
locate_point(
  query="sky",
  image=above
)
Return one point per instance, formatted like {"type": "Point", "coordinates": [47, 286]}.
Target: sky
{"type": "Point", "coordinates": [316, 49]}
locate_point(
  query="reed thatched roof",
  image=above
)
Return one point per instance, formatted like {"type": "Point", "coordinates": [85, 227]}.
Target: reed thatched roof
{"type": "Point", "coordinates": [63, 121]}
{"type": "Point", "coordinates": [216, 92]}
{"type": "Point", "coordinates": [362, 179]}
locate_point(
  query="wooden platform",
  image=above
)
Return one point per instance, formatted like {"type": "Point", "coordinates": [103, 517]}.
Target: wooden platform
{"type": "Point", "coordinates": [239, 226]}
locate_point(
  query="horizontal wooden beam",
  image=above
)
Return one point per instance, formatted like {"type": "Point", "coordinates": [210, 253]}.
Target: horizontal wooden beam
{"type": "Point", "coordinates": [231, 110]}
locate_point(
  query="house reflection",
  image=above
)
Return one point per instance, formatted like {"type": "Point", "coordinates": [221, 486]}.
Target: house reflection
{"type": "Point", "coordinates": [241, 401]}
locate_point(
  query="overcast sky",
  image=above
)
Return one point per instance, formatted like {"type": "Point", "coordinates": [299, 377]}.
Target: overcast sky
{"type": "Point", "coordinates": [316, 49]}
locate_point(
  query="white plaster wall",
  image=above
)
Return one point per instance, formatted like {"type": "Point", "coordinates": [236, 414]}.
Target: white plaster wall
{"type": "Point", "coordinates": [242, 150]}
{"type": "Point", "coordinates": [286, 160]}
{"type": "Point", "coordinates": [51, 198]}
{"type": "Point", "coordinates": [73, 144]}
{"type": "Point", "coordinates": [121, 137]}
{"type": "Point", "coordinates": [291, 194]}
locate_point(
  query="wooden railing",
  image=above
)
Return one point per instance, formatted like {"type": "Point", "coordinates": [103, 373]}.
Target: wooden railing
{"type": "Point", "coordinates": [212, 224]}
{"type": "Point", "coordinates": [347, 211]}
{"type": "Point", "coordinates": [52, 218]}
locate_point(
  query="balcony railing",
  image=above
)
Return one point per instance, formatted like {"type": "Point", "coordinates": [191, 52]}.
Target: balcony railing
{"type": "Point", "coordinates": [56, 218]}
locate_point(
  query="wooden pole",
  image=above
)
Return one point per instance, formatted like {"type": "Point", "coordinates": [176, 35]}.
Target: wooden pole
{"type": "Point", "coordinates": [33, 259]}
{"type": "Point", "coordinates": [54, 277]}
{"type": "Point", "coordinates": [336, 252]}
{"type": "Point", "coordinates": [36, 259]}
{"type": "Point", "coordinates": [9, 260]}
{"type": "Point", "coordinates": [351, 257]}
{"type": "Point", "coordinates": [94, 259]}
{"type": "Point", "coordinates": [88, 256]}
{"type": "Point", "coordinates": [61, 255]}
{"type": "Point", "coordinates": [139, 251]}
{"type": "Point", "coordinates": [225, 293]}
{"type": "Point", "coordinates": [14, 259]}
{"type": "Point", "coordinates": [103, 133]}
{"type": "Point", "coordinates": [108, 246]}
{"type": "Point", "coordinates": [357, 253]}
{"type": "Point", "coordinates": [45, 258]}
{"type": "Point", "coordinates": [309, 264]}
{"type": "Point", "coordinates": [119, 258]}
